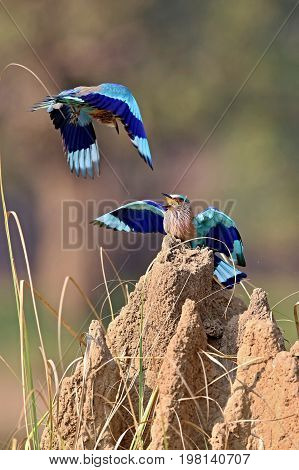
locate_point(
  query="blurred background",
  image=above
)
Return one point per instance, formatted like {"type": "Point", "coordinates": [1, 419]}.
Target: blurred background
{"type": "Point", "coordinates": [184, 62]}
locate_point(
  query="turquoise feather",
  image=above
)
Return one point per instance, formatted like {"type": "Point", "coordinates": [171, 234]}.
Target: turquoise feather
{"type": "Point", "coordinates": [72, 112]}
{"type": "Point", "coordinates": [206, 224]}
{"type": "Point", "coordinates": [214, 229]}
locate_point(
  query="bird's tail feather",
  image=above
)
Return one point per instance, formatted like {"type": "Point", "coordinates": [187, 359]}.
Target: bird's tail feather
{"type": "Point", "coordinates": [48, 102]}
{"type": "Point", "coordinates": [226, 274]}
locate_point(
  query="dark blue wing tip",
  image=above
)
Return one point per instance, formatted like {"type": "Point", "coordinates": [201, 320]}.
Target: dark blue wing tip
{"type": "Point", "coordinates": [232, 281]}
{"type": "Point", "coordinates": [79, 174]}
{"type": "Point", "coordinates": [147, 160]}
{"type": "Point", "coordinates": [241, 260]}
{"type": "Point", "coordinates": [146, 157]}
{"type": "Point", "coordinates": [150, 164]}
{"type": "Point", "coordinates": [85, 175]}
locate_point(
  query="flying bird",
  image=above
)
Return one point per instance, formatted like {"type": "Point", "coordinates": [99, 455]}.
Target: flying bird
{"type": "Point", "coordinates": [211, 228]}
{"type": "Point", "coordinates": [72, 112]}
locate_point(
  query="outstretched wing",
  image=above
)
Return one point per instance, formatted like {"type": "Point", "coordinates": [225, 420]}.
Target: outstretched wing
{"type": "Point", "coordinates": [118, 100]}
{"type": "Point", "coordinates": [139, 216]}
{"type": "Point", "coordinates": [79, 140]}
{"type": "Point", "coordinates": [220, 234]}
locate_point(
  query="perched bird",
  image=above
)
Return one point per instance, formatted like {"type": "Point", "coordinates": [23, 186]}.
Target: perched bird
{"type": "Point", "coordinates": [72, 112]}
{"type": "Point", "coordinates": [211, 228]}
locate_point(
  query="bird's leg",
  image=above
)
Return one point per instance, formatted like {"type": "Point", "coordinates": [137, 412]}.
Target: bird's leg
{"type": "Point", "coordinates": [75, 115]}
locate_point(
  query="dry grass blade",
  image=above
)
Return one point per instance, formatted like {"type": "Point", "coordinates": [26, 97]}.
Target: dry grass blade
{"type": "Point", "coordinates": [55, 375]}
{"type": "Point", "coordinates": [105, 282]}
{"type": "Point", "coordinates": [200, 430]}
{"type": "Point", "coordinates": [108, 296]}
{"type": "Point", "coordinates": [119, 440]}
{"type": "Point", "coordinates": [127, 388]}
{"type": "Point", "coordinates": [252, 361]}
{"type": "Point", "coordinates": [200, 416]}
{"type": "Point", "coordinates": [285, 298]}
{"type": "Point", "coordinates": [10, 369]}
{"type": "Point", "coordinates": [67, 280]}
{"type": "Point", "coordinates": [117, 275]}
{"type": "Point", "coordinates": [89, 339]}
{"type": "Point", "coordinates": [206, 398]}
{"type": "Point", "coordinates": [245, 290]}
{"type": "Point", "coordinates": [213, 359]}
{"type": "Point", "coordinates": [52, 310]}
{"type": "Point", "coordinates": [10, 251]}
{"type": "Point", "coordinates": [21, 66]}
{"type": "Point", "coordinates": [220, 354]}
{"type": "Point", "coordinates": [21, 324]}
{"type": "Point", "coordinates": [14, 444]}
{"type": "Point", "coordinates": [180, 428]}
{"type": "Point", "coordinates": [206, 385]}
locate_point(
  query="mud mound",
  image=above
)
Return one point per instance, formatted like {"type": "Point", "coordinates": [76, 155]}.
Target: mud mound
{"type": "Point", "coordinates": [180, 414]}
{"type": "Point", "coordinates": [177, 274]}
{"type": "Point", "coordinates": [81, 421]}
{"type": "Point", "coordinates": [262, 411]}
{"type": "Point", "coordinates": [202, 352]}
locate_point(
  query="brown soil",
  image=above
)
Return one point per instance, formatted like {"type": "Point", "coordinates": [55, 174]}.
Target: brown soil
{"type": "Point", "coordinates": [100, 376]}
{"type": "Point", "coordinates": [262, 411]}
{"type": "Point", "coordinates": [192, 334]}
{"type": "Point", "coordinates": [178, 416]}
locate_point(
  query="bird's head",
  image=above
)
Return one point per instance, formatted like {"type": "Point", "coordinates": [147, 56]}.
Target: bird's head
{"type": "Point", "coordinates": [175, 200]}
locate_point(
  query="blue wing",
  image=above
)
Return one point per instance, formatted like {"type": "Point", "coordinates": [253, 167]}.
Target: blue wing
{"type": "Point", "coordinates": [118, 100]}
{"type": "Point", "coordinates": [139, 216]}
{"type": "Point", "coordinates": [226, 274]}
{"type": "Point", "coordinates": [220, 234]}
{"type": "Point", "coordinates": [79, 140]}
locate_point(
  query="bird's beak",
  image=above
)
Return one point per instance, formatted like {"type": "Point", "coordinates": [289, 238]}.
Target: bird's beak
{"type": "Point", "coordinates": [169, 200]}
